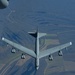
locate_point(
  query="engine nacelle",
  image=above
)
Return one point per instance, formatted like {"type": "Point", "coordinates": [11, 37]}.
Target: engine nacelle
{"type": "Point", "coordinates": [13, 50]}
{"type": "Point", "coordinates": [4, 4]}
{"type": "Point", "coordinates": [50, 57]}
{"type": "Point", "coordinates": [60, 53]}
{"type": "Point", "coordinates": [23, 56]}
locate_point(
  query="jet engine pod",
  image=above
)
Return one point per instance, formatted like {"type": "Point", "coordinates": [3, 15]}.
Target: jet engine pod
{"type": "Point", "coordinates": [50, 57]}
{"type": "Point", "coordinates": [13, 50]}
{"type": "Point", "coordinates": [4, 4]}
{"type": "Point", "coordinates": [60, 53]}
{"type": "Point", "coordinates": [23, 56]}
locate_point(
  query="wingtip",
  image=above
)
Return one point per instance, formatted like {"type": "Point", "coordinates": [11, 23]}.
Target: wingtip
{"type": "Point", "coordinates": [2, 38]}
{"type": "Point", "coordinates": [70, 43]}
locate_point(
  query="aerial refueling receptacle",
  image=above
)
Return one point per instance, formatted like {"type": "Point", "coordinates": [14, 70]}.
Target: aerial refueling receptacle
{"type": "Point", "coordinates": [4, 4]}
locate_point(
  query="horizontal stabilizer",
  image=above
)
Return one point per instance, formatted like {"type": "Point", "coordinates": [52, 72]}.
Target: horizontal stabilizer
{"type": "Point", "coordinates": [53, 50]}
{"type": "Point", "coordinates": [37, 34]}
{"type": "Point", "coordinates": [42, 34]}
{"type": "Point", "coordinates": [34, 34]}
{"type": "Point", "coordinates": [20, 47]}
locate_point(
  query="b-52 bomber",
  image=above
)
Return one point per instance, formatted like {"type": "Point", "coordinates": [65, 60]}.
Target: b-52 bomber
{"type": "Point", "coordinates": [37, 54]}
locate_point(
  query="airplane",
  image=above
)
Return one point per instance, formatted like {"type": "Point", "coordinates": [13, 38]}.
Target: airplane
{"type": "Point", "coordinates": [37, 54]}
{"type": "Point", "coordinates": [4, 4]}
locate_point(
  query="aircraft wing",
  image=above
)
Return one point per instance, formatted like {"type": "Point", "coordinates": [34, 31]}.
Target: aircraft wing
{"type": "Point", "coordinates": [53, 50]}
{"type": "Point", "coordinates": [20, 47]}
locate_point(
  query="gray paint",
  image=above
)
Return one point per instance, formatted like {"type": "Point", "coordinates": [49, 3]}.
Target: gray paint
{"type": "Point", "coordinates": [37, 55]}
{"type": "Point", "coordinates": [4, 3]}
